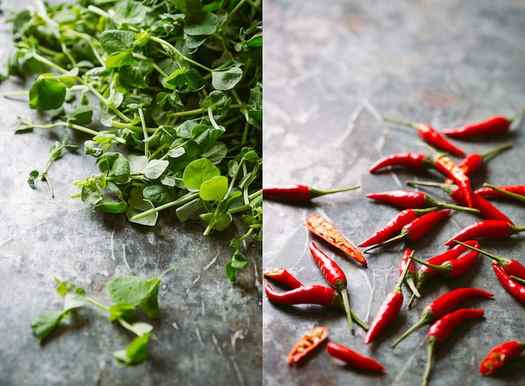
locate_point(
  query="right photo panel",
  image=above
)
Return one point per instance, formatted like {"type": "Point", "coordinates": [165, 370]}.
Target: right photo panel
{"type": "Point", "coordinates": [393, 193]}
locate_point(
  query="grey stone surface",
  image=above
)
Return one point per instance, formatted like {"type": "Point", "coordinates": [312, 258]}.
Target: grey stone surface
{"type": "Point", "coordinates": [327, 66]}
{"type": "Point", "coordinates": [209, 331]}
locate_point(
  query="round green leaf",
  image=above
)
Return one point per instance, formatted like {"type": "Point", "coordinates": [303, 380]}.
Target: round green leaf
{"type": "Point", "coordinates": [47, 94]}
{"type": "Point", "coordinates": [214, 189]}
{"type": "Point", "coordinates": [226, 79]}
{"type": "Point", "coordinates": [204, 25]}
{"type": "Point", "coordinates": [198, 171]}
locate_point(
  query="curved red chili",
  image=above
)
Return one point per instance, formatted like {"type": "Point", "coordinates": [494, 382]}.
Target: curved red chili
{"type": "Point", "coordinates": [474, 161]}
{"type": "Point", "coordinates": [411, 160]}
{"type": "Point", "coordinates": [300, 193]}
{"type": "Point", "coordinates": [417, 228]}
{"type": "Point", "coordinates": [354, 358]}
{"type": "Point", "coordinates": [449, 169]}
{"type": "Point", "coordinates": [488, 191]}
{"type": "Point", "coordinates": [404, 199]}
{"type": "Point", "coordinates": [442, 306]}
{"type": "Point", "coordinates": [515, 289]}
{"type": "Point", "coordinates": [511, 266]}
{"type": "Point", "coordinates": [454, 268]}
{"type": "Point", "coordinates": [493, 229]}
{"type": "Point", "coordinates": [394, 226]}
{"type": "Point", "coordinates": [283, 277]}
{"type": "Point", "coordinates": [313, 294]}
{"type": "Point", "coordinates": [442, 329]}
{"type": "Point", "coordinates": [500, 355]}
{"type": "Point", "coordinates": [390, 308]}
{"type": "Point", "coordinates": [495, 125]}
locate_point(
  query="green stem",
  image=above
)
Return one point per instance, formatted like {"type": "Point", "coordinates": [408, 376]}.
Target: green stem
{"type": "Point", "coordinates": [487, 156]}
{"type": "Point", "coordinates": [438, 268]}
{"type": "Point", "coordinates": [420, 323]}
{"type": "Point", "coordinates": [430, 358]}
{"type": "Point", "coordinates": [145, 132]}
{"type": "Point", "coordinates": [14, 93]}
{"type": "Point", "coordinates": [171, 48]}
{"type": "Point", "coordinates": [415, 184]}
{"type": "Point", "coordinates": [413, 288]}
{"type": "Point", "coordinates": [499, 259]}
{"type": "Point", "coordinates": [74, 126]}
{"type": "Point", "coordinates": [400, 236]}
{"type": "Point", "coordinates": [518, 116]}
{"type": "Point", "coordinates": [49, 63]}
{"type": "Point", "coordinates": [180, 201]}
{"type": "Point", "coordinates": [323, 192]}
{"type": "Point", "coordinates": [189, 112]}
{"type": "Point", "coordinates": [401, 122]}
{"type": "Point", "coordinates": [97, 304]}
{"type": "Point", "coordinates": [516, 196]}
{"type": "Point", "coordinates": [454, 206]}
{"type": "Point", "coordinates": [518, 279]}
{"type": "Point", "coordinates": [126, 325]}
{"type": "Point", "coordinates": [399, 283]}
{"type": "Point", "coordinates": [346, 305]}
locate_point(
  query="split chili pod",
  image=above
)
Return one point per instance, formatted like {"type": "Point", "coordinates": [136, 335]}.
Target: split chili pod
{"type": "Point", "coordinates": [417, 228]}
{"type": "Point", "coordinates": [313, 294]}
{"type": "Point", "coordinates": [300, 193]}
{"type": "Point", "coordinates": [511, 266]}
{"type": "Point", "coordinates": [306, 346]}
{"type": "Point", "coordinates": [325, 230]}
{"type": "Point", "coordinates": [404, 199]}
{"type": "Point", "coordinates": [515, 192]}
{"type": "Point", "coordinates": [492, 126]}
{"type": "Point", "coordinates": [410, 160]}
{"type": "Point", "coordinates": [513, 287]}
{"type": "Point", "coordinates": [442, 306]}
{"type": "Point", "coordinates": [283, 277]}
{"type": "Point", "coordinates": [492, 229]}
{"type": "Point", "coordinates": [441, 330]}
{"type": "Point", "coordinates": [500, 355]}
{"type": "Point", "coordinates": [353, 358]}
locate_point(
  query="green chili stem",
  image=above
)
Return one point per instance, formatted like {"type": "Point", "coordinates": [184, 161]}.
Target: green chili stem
{"type": "Point", "coordinates": [401, 122]}
{"type": "Point", "coordinates": [516, 196]}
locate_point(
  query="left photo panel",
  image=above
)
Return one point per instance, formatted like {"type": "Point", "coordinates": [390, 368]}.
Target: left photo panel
{"type": "Point", "coordinates": [130, 192]}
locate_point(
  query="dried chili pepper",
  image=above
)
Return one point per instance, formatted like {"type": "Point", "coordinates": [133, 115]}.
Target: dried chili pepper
{"type": "Point", "coordinates": [495, 125]}
{"type": "Point", "coordinates": [390, 308]}
{"type": "Point", "coordinates": [334, 276]}
{"type": "Point", "coordinates": [442, 306]}
{"type": "Point", "coordinates": [404, 199]}
{"type": "Point", "coordinates": [485, 208]}
{"type": "Point", "coordinates": [308, 343]}
{"type": "Point", "coordinates": [474, 161]}
{"type": "Point", "coordinates": [411, 275]}
{"type": "Point", "coordinates": [283, 277]}
{"type": "Point", "coordinates": [510, 266]}
{"type": "Point", "coordinates": [513, 287]}
{"type": "Point", "coordinates": [516, 192]}
{"type": "Point", "coordinates": [353, 358]}
{"type": "Point", "coordinates": [325, 230]}
{"type": "Point", "coordinates": [500, 355]}
{"type": "Point", "coordinates": [300, 193]}
{"type": "Point", "coordinates": [431, 136]}
{"type": "Point", "coordinates": [417, 228]}
{"type": "Point", "coordinates": [313, 294]}
{"type": "Point", "coordinates": [492, 229]}
{"type": "Point", "coordinates": [411, 160]}
{"type": "Point", "coordinates": [442, 329]}
{"type": "Point", "coordinates": [453, 268]}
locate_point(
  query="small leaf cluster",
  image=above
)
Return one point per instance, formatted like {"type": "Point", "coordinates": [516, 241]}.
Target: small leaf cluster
{"type": "Point", "coordinates": [131, 297]}
{"type": "Point", "coordinates": [169, 94]}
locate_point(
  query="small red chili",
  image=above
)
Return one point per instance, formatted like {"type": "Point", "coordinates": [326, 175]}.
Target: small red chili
{"type": "Point", "coordinates": [442, 306]}
{"type": "Point", "coordinates": [390, 308]}
{"type": "Point", "coordinates": [493, 229]}
{"type": "Point", "coordinates": [404, 199]}
{"type": "Point", "coordinates": [431, 136]}
{"type": "Point", "coordinates": [308, 343]}
{"type": "Point", "coordinates": [313, 294]}
{"type": "Point", "coordinates": [283, 277]}
{"type": "Point", "coordinates": [449, 169]}
{"type": "Point", "coordinates": [325, 230]}
{"type": "Point", "coordinates": [411, 160]}
{"type": "Point", "coordinates": [300, 193]}
{"type": "Point", "coordinates": [511, 266]}
{"type": "Point", "coordinates": [516, 192]}
{"type": "Point", "coordinates": [441, 331]}
{"type": "Point", "coordinates": [495, 125]}
{"type": "Point", "coordinates": [474, 161]}
{"type": "Point", "coordinates": [417, 228]}
{"type": "Point", "coordinates": [453, 268]}
{"type": "Point", "coordinates": [513, 287]}
{"type": "Point", "coordinates": [500, 355]}
{"type": "Point", "coordinates": [354, 358]}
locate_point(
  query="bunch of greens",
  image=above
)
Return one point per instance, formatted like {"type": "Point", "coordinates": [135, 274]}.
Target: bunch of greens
{"type": "Point", "coordinates": [168, 93]}
{"type": "Point", "coordinates": [130, 296]}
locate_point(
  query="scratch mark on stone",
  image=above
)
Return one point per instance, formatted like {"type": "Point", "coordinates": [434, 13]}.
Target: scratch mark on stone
{"type": "Point", "coordinates": [237, 372]}
{"type": "Point", "coordinates": [212, 261]}
{"type": "Point", "coordinates": [193, 284]}
{"type": "Point", "coordinates": [371, 289]}
{"type": "Point", "coordinates": [216, 344]}
{"type": "Point", "coordinates": [113, 245]}
{"type": "Point", "coordinates": [175, 325]}
{"type": "Point", "coordinates": [125, 258]}
{"type": "Point", "coordinates": [198, 333]}
{"type": "Point", "coordinates": [407, 364]}
{"type": "Point", "coordinates": [239, 334]}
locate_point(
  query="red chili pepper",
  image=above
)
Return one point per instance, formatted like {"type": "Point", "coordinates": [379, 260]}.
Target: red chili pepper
{"type": "Point", "coordinates": [325, 230]}
{"type": "Point", "coordinates": [493, 229]}
{"type": "Point", "coordinates": [283, 277]}
{"type": "Point", "coordinates": [308, 343]}
{"type": "Point", "coordinates": [516, 192]}
{"type": "Point", "coordinates": [442, 306]}
{"type": "Point", "coordinates": [353, 358]}
{"type": "Point", "coordinates": [442, 329]}
{"type": "Point", "coordinates": [335, 277]}
{"type": "Point", "coordinates": [511, 266]}
{"type": "Point", "coordinates": [495, 125]}
{"type": "Point", "coordinates": [500, 355]}
{"type": "Point", "coordinates": [417, 228]}
{"type": "Point", "coordinates": [474, 161]}
{"type": "Point", "coordinates": [485, 208]}
{"type": "Point", "coordinates": [453, 268]}
{"type": "Point", "coordinates": [404, 199]}
{"type": "Point", "coordinates": [515, 289]}
{"type": "Point", "coordinates": [431, 136]}
{"type": "Point", "coordinates": [390, 308]}
{"type": "Point", "coordinates": [313, 294]}
{"type": "Point", "coordinates": [411, 276]}
{"type": "Point", "coordinates": [411, 160]}
{"type": "Point", "coordinates": [449, 169]}
{"type": "Point", "coordinates": [394, 226]}
{"type": "Point", "coordinates": [300, 193]}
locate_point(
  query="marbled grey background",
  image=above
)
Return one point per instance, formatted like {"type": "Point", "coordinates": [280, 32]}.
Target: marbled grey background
{"type": "Point", "coordinates": [329, 68]}
{"type": "Point", "coordinates": [209, 331]}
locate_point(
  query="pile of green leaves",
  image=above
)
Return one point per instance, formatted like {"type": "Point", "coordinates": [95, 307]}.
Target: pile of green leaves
{"type": "Point", "coordinates": [168, 93]}
{"type": "Point", "coordinates": [131, 297]}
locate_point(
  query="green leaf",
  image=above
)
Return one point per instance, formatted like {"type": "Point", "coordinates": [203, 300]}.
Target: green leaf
{"type": "Point", "coordinates": [33, 176]}
{"type": "Point", "coordinates": [155, 168]}
{"type": "Point", "coordinates": [219, 221]}
{"type": "Point", "coordinates": [256, 41]}
{"type": "Point", "coordinates": [115, 41]}
{"type": "Point", "coordinates": [138, 204]}
{"type": "Point", "coordinates": [206, 24]}
{"type": "Point", "coordinates": [199, 171]}
{"type": "Point", "coordinates": [214, 189]}
{"type": "Point", "coordinates": [177, 152]}
{"type": "Point", "coordinates": [226, 79]}
{"type": "Point", "coordinates": [45, 324]}
{"type": "Point", "coordinates": [130, 12]}
{"type": "Point", "coordinates": [47, 94]}
{"type": "Point", "coordinates": [136, 352]}
{"type": "Point", "coordinates": [216, 153]}
{"type": "Point", "coordinates": [82, 115]}
{"type": "Point", "coordinates": [120, 311]}
{"type": "Point", "coordinates": [111, 200]}
{"type": "Point", "coordinates": [132, 290]}
{"type": "Point", "coordinates": [119, 59]}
